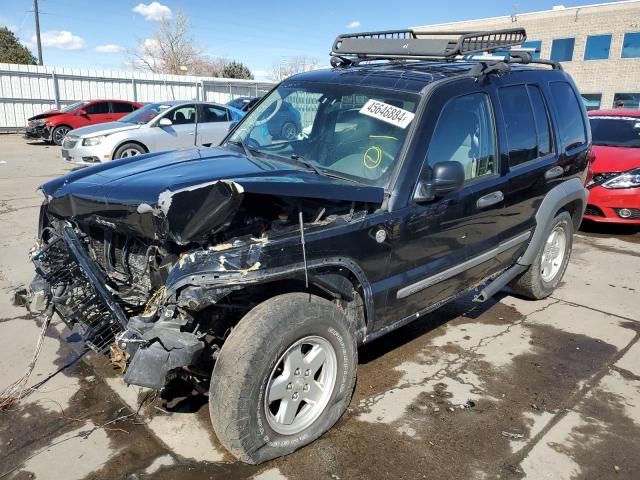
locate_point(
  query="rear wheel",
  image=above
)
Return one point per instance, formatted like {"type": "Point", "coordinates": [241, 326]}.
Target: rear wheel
{"type": "Point", "coordinates": [128, 150]}
{"type": "Point", "coordinates": [58, 134]}
{"type": "Point", "coordinates": [283, 377]}
{"type": "Point", "coordinates": [545, 273]}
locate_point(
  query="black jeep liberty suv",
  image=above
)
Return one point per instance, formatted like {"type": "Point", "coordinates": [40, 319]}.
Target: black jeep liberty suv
{"type": "Point", "coordinates": [428, 165]}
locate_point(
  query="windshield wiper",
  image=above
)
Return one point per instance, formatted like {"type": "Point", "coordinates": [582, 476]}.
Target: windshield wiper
{"type": "Point", "coordinates": [307, 164]}
{"type": "Point", "coordinates": [320, 171]}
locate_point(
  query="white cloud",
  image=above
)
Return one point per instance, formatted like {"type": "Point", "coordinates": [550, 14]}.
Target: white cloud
{"type": "Point", "coordinates": [354, 24]}
{"type": "Point", "coordinates": [155, 11]}
{"type": "Point", "coordinates": [109, 48]}
{"type": "Point", "coordinates": [61, 39]}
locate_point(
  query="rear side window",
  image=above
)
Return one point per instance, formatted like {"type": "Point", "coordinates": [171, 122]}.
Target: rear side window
{"type": "Point", "coordinates": [520, 124]}
{"type": "Point", "coordinates": [215, 114]}
{"type": "Point", "coordinates": [97, 108]}
{"type": "Point", "coordinates": [541, 115]}
{"type": "Point", "coordinates": [571, 123]}
{"type": "Point", "coordinates": [122, 107]}
{"type": "Point", "coordinates": [465, 133]}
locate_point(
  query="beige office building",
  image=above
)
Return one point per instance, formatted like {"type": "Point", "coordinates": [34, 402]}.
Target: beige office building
{"type": "Point", "coordinates": [599, 45]}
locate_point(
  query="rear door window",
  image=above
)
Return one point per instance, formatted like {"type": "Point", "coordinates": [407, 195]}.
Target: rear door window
{"type": "Point", "coordinates": [571, 123]}
{"type": "Point", "coordinates": [97, 108]}
{"type": "Point", "coordinates": [122, 107]}
{"type": "Point", "coordinates": [543, 128]}
{"type": "Point", "coordinates": [213, 113]}
{"type": "Point", "coordinates": [520, 124]}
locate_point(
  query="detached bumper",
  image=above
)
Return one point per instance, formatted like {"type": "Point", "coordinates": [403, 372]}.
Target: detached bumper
{"type": "Point", "coordinates": [33, 133]}
{"type": "Point", "coordinates": [154, 345]}
{"type": "Point", "coordinates": [614, 205]}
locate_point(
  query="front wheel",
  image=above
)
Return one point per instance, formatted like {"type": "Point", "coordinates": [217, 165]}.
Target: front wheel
{"type": "Point", "coordinates": [58, 134]}
{"type": "Point", "coordinates": [128, 150]}
{"type": "Point", "coordinates": [545, 273]}
{"type": "Point", "coordinates": [283, 377]}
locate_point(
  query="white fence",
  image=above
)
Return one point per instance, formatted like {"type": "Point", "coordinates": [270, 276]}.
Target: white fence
{"type": "Point", "coordinates": [26, 90]}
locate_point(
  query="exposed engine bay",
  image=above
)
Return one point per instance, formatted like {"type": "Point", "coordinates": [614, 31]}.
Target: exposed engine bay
{"type": "Point", "coordinates": [162, 306]}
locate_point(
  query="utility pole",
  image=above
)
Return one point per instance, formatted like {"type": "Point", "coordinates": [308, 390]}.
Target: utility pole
{"type": "Point", "coordinates": [35, 10]}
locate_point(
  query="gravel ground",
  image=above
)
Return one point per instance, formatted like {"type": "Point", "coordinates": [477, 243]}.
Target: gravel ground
{"type": "Point", "coordinates": [507, 389]}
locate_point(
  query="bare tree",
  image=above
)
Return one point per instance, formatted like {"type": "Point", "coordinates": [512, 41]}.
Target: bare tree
{"type": "Point", "coordinates": [288, 66]}
{"type": "Point", "coordinates": [170, 49]}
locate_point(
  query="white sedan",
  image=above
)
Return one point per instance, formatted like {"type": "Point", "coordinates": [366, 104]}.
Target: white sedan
{"type": "Point", "coordinates": [155, 127]}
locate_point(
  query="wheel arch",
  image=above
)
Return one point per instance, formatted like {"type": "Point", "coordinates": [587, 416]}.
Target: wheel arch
{"type": "Point", "coordinates": [570, 196]}
{"type": "Point", "coordinates": [336, 279]}
{"type": "Point", "coordinates": [124, 142]}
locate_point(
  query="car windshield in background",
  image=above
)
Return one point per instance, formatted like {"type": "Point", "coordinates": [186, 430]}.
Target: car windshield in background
{"type": "Point", "coordinates": [145, 114]}
{"type": "Point", "coordinates": [616, 131]}
{"type": "Point", "coordinates": [347, 131]}
{"type": "Point", "coordinates": [73, 106]}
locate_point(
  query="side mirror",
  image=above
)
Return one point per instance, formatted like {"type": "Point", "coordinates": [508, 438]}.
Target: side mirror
{"type": "Point", "coordinates": [82, 112]}
{"type": "Point", "coordinates": [232, 125]}
{"type": "Point", "coordinates": [165, 122]}
{"type": "Point", "coordinates": [446, 177]}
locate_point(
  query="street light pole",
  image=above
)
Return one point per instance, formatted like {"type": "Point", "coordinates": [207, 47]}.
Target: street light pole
{"type": "Point", "coordinates": [35, 11]}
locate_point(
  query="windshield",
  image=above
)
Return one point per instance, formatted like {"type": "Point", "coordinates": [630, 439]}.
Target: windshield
{"type": "Point", "coordinates": [348, 131]}
{"type": "Point", "coordinates": [73, 106]}
{"type": "Point", "coordinates": [145, 114]}
{"type": "Point", "coordinates": [616, 131]}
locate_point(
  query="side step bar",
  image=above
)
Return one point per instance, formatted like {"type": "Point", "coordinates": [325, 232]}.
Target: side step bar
{"type": "Point", "coordinates": [500, 282]}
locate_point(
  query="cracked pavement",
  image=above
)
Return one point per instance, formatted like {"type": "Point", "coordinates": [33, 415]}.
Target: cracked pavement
{"type": "Point", "coordinates": [508, 389]}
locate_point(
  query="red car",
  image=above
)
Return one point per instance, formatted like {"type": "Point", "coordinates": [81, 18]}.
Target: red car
{"type": "Point", "coordinates": [614, 188]}
{"type": "Point", "coordinates": [53, 125]}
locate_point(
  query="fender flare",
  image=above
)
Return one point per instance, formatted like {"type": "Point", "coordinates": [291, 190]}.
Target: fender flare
{"type": "Point", "coordinates": [558, 197]}
{"type": "Point", "coordinates": [234, 279]}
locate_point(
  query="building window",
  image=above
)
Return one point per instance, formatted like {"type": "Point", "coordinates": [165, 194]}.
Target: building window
{"type": "Point", "coordinates": [537, 44]}
{"type": "Point", "coordinates": [562, 49]}
{"type": "Point", "coordinates": [592, 100]}
{"type": "Point", "coordinates": [598, 47]}
{"type": "Point", "coordinates": [631, 45]}
{"type": "Point", "coordinates": [627, 100]}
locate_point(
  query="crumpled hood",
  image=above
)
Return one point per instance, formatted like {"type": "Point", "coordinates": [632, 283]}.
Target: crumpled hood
{"type": "Point", "coordinates": [108, 128]}
{"type": "Point", "coordinates": [185, 195]}
{"type": "Point", "coordinates": [47, 114]}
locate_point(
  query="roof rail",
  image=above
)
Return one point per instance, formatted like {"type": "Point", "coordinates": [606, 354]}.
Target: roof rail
{"type": "Point", "coordinates": [409, 44]}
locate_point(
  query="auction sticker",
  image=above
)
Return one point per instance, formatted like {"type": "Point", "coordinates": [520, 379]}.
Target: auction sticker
{"type": "Point", "coordinates": [387, 113]}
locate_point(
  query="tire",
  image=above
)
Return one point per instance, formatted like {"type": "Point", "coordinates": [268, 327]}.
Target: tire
{"type": "Point", "coordinates": [128, 150]}
{"type": "Point", "coordinates": [58, 134]}
{"type": "Point", "coordinates": [289, 131]}
{"type": "Point", "coordinates": [245, 377]}
{"type": "Point", "coordinates": [540, 279]}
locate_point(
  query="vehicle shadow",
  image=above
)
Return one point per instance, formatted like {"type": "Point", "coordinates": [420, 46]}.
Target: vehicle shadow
{"type": "Point", "coordinates": [179, 396]}
{"type": "Point", "coordinates": [397, 338]}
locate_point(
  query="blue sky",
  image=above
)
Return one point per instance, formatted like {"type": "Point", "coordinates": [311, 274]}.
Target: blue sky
{"type": "Point", "coordinates": [95, 33]}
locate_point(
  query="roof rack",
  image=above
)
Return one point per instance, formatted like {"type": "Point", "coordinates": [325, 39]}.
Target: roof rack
{"type": "Point", "coordinates": [409, 44]}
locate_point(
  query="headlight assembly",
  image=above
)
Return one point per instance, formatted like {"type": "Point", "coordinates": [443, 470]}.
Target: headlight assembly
{"type": "Point", "coordinates": [628, 179]}
{"type": "Point", "coordinates": [91, 141]}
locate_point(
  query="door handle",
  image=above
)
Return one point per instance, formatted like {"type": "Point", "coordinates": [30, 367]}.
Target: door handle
{"type": "Point", "coordinates": [553, 172]}
{"type": "Point", "coordinates": [490, 199]}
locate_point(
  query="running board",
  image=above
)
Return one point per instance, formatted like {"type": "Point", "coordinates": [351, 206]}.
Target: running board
{"type": "Point", "coordinates": [499, 282]}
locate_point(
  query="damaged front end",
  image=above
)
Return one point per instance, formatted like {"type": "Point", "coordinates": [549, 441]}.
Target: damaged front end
{"type": "Point", "coordinates": [158, 285]}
